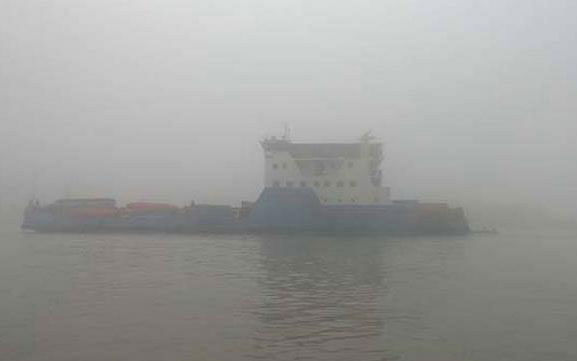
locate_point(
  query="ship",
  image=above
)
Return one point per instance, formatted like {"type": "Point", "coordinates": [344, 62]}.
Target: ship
{"type": "Point", "coordinates": [329, 188]}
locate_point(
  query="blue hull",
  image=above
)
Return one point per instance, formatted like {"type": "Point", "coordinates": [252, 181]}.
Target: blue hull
{"type": "Point", "coordinates": [277, 210]}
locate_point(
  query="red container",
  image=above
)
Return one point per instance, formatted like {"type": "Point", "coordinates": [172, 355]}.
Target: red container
{"type": "Point", "coordinates": [92, 212]}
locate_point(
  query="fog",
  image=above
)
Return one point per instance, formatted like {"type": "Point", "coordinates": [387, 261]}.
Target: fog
{"type": "Point", "coordinates": [167, 100]}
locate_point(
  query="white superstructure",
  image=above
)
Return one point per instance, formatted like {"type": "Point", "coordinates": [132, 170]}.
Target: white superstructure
{"type": "Point", "coordinates": [339, 173]}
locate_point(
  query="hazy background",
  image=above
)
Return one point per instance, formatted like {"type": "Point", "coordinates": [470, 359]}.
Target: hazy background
{"type": "Point", "coordinates": [166, 100]}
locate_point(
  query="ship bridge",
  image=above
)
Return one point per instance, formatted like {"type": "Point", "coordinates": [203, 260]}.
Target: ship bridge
{"type": "Point", "coordinates": [339, 173]}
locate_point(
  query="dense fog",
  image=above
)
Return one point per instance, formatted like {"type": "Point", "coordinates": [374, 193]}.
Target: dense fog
{"type": "Point", "coordinates": [167, 100]}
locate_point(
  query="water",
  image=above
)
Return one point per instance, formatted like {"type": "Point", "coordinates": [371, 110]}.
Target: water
{"type": "Point", "coordinates": [172, 297]}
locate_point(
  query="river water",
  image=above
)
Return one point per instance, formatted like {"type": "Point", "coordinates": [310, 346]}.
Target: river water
{"type": "Point", "coordinates": [511, 296]}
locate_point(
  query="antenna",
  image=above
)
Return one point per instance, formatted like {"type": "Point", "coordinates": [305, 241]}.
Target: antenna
{"type": "Point", "coordinates": [367, 136]}
{"type": "Point", "coordinates": [287, 132]}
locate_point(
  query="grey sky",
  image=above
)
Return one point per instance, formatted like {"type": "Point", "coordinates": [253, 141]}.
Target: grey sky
{"type": "Point", "coordinates": [475, 100]}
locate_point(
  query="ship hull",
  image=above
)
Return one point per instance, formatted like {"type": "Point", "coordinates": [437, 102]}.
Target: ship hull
{"type": "Point", "coordinates": [277, 210]}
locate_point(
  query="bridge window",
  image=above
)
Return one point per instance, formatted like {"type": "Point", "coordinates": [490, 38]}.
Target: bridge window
{"type": "Point", "coordinates": [284, 165]}
{"type": "Point", "coordinates": [275, 166]}
{"type": "Point", "coordinates": [289, 183]}
{"type": "Point", "coordinates": [351, 164]}
{"type": "Point", "coordinates": [340, 183]}
{"type": "Point", "coordinates": [317, 184]}
{"type": "Point", "coordinates": [353, 183]}
{"type": "Point", "coordinates": [327, 184]}
{"type": "Point", "coordinates": [276, 184]}
{"type": "Point", "coordinates": [303, 184]}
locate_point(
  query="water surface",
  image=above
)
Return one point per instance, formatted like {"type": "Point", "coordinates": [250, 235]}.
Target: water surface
{"type": "Point", "coordinates": [180, 297]}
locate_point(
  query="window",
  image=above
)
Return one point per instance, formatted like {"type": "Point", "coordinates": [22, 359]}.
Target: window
{"type": "Point", "coordinates": [303, 184]}
{"type": "Point", "coordinates": [340, 184]}
{"type": "Point", "coordinates": [353, 183]}
{"type": "Point", "coordinates": [317, 184]}
{"type": "Point", "coordinates": [327, 184]}
{"type": "Point", "coordinates": [289, 183]}
{"type": "Point", "coordinates": [274, 166]}
{"type": "Point", "coordinates": [284, 165]}
{"type": "Point", "coordinates": [276, 184]}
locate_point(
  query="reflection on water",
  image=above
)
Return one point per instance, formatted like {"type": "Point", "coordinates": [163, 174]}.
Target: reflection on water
{"type": "Point", "coordinates": [320, 296]}
{"type": "Point", "coordinates": [170, 297]}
